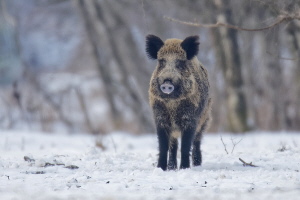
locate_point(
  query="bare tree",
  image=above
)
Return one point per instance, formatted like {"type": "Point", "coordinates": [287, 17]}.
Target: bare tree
{"type": "Point", "coordinates": [294, 43]}
{"type": "Point", "coordinates": [228, 58]}
{"type": "Point", "coordinates": [103, 23]}
{"type": "Point", "coordinates": [251, 50]}
{"type": "Point", "coordinates": [225, 43]}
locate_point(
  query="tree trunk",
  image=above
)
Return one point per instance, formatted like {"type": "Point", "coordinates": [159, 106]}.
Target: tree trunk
{"type": "Point", "coordinates": [228, 58]}
{"type": "Point", "coordinates": [294, 33]}
{"type": "Point", "coordinates": [94, 33]}
{"type": "Point", "coordinates": [274, 87]}
{"type": "Point", "coordinates": [117, 70]}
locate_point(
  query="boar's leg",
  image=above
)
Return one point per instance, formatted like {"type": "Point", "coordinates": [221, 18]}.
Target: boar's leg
{"type": "Point", "coordinates": [186, 143]}
{"type": "Point", "coordinates": [163, 146]}
{"type": "Point", "coordinates": [185, 119]}
{"type": "Point", "coordinates": [172, 164]}
{"type": "Point", "coordinates": [163, 125]}
{"type": "Point", "coordinates": [196, 154]}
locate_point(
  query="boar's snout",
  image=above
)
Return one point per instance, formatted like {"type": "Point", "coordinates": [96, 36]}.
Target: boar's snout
{"type": "Point", "coordinates": [167, 87]}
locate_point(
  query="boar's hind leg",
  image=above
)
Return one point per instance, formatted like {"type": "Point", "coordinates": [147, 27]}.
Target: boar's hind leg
{"type": "Point", "coordinates": [163, 146]}
{"type": "Point", "coordinates": [172, 164]}
{"type": "Point", "coordinates": [196, 154]}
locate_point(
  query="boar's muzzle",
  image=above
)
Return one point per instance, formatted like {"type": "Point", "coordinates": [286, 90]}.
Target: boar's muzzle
{"type": "Point", "coordinates": [167, 87]}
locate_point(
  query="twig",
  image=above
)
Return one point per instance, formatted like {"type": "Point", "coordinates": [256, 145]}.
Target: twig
{"type": "Point", "coordinates": [17, 96]}
{"type": "Point", "coordinates": [247, 164]}
{"type": "Point", "coordinates": [283, 147]}
{"type": "Point", "coordinates": [35, 172]}
{"type": "Point", "coordinates": [72, 167]}
{"type": "Point", "coordinates": [113, 142]}
{"type": "Point", "coordinates": [84, 108]}
{"type": "Point", "coordinates": [99, 143]}
{"type": "Point", "coordinates": [280, 19]}
{"type": "Point", "coordinates": [28, 159]}
{"type": "Point", "coordinates": [235, 143]}
{"type": "Point", "coordinates": [224, 145]}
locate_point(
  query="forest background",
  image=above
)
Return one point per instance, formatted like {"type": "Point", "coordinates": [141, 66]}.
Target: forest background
{"type": "Point", "coordinates": [81, 66]}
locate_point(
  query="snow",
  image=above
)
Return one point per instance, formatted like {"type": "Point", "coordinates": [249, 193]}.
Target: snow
{"type": "Point", "coordinates": [126, 168]}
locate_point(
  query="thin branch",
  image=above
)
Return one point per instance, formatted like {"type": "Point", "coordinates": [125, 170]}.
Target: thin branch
{"type": "Point", "coordinates": [224, 145]}
{"type": "Point", "coordinates": [247, 164]}
{"type": "Point", "coordinates": [235, 143]}
{"type": "Point", "coordinates": [17, 96]}
{"type": "Point", "coordinates": [280, 19]}
{"type": "Point", "coordinates": [84, 108]}
{"type": "Point", "coordinates": [113, 142]}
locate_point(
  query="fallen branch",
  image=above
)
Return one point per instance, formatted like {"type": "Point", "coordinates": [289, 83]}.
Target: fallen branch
{"type": "Point", "coordinates": [35, 172]}
{"type": "Point", "coordinates": [247, 164]}
{"type": "Point", "coordinates": [48, 164]}
{"type": "Point", "coordinates": [72, 167]}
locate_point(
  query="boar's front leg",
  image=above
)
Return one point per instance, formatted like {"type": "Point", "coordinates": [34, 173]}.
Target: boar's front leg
{"type": "Point", "coordinates": [185, 119]}
{"type": "Point", "coordinates": [163, 147]}
{"type": "Point", "coordinates": [163, 126]}
{"type": "Point", "coordinates": [186, 144]}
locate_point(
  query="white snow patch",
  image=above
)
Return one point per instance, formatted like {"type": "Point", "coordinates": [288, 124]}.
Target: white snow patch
{"type": "Point", "coordinates": [126, 169]}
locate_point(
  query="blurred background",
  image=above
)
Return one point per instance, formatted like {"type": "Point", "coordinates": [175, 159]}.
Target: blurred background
{"type": "Point", "coordinates": [80, 65]}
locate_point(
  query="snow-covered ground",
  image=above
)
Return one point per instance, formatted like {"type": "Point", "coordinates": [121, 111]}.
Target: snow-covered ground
{"type": "Point", "coordinates": [61, 166]}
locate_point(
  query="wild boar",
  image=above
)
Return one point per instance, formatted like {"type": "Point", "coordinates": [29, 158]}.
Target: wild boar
{"type": "Point", "coordinates": [180, 99]}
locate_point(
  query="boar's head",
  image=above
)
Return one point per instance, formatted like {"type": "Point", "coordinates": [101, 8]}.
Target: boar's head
{"type": "Point", "coordinates": [173, 77]}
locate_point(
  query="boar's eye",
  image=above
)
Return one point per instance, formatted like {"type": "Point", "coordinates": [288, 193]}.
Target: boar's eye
{"type": "Point", "coordinates": [161, 63]}
{"type": "Point", "coordinates": [180, 64]}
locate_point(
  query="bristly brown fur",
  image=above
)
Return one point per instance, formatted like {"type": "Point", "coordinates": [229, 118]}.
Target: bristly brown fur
{"type": "Point", "coordinates": [186, 112]}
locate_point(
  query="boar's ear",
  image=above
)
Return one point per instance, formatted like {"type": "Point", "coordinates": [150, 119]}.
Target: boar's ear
{"type": "Point", "coordinates": [191, 46]}
{"type": "Point", "coordinates": [153, 44]}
